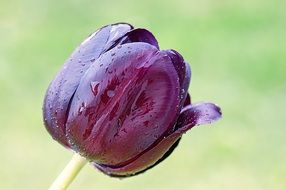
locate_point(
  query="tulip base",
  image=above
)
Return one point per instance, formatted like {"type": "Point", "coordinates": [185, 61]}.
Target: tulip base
{"type": "Point", "coordinates": [69, 173]}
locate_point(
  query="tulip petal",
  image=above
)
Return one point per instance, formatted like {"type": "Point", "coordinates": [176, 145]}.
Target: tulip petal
{"type": "Point", "coordinates": [192, 115]}
{"type": "Point", "coordinates": [129, 97]}
{"type": "Point", "coordinates": [197, 114]}
{"type": "Point", "coordinates": [62, 88]}
{"type": "Point", "coordinates": [140, 35]}
{"type": "Point", "coordinates": [184, 72]}
{"type": "Point", "coordinates": [146, 161]}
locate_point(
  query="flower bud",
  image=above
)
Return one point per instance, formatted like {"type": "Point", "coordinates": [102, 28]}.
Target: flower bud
{"type": "Point", "coordinates": [121, 102]}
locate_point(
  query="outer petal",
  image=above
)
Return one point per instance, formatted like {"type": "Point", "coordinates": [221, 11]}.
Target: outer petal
{"type": "Point", "coordinates": [62, 88]}
{"type": "Point", "coordinates": [128, 97]}
{"type": "Point", "coordinates": [140, 35]}
{"type": "Point", "coordinates": [192, 115]}
{"type": "Point", "coordinates": [184, 72]}
{"type": "Point", "coordinates": [197, 114]}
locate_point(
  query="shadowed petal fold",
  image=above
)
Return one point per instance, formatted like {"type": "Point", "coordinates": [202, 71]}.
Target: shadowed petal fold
{"type": "Point", "coordinates": [140, 35]}
{"type": "Point", "coordinates": [188, 100]}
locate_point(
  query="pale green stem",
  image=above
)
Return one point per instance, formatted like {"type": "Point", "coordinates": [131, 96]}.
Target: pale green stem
{"type": "Point", "coordinates": [69, 173]}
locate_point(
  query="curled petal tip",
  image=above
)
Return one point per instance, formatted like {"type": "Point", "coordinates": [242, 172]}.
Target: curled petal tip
{"type": "Point", "coordinates": [198, 114]}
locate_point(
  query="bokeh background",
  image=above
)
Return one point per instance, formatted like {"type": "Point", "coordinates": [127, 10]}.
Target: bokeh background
{"type": "Point", "coordinates": [237, 51]}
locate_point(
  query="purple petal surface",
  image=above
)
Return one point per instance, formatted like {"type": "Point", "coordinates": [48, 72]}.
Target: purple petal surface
{"type": "Point", "coordinates": [140, 35]}
{"type": "Point", "coordinates": [197, 114]}
{"type": "Point", "coordinates": [62, 88]}
{"type": "Point", "coordinates": [129, 97]}
{"type": "Point", "coordinates": [192, 115]}
{"type": "Point", "coordinates": [184, 72]}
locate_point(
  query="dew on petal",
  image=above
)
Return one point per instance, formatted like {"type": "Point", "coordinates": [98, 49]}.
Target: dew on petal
{"type": "Point", "coordinates": [94, 87]}
{"type": "Point", "coordinates": [110, 93]}
{"type": "Point", "coordinates": [81, 108]}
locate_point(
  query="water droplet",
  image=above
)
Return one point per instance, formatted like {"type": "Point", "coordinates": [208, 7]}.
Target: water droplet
{"type": "Point", "coordinates": [81, 108]}
{"type": "Point", "coordinates": [94, 87]}
{"type": "Point", "coordinates": [110, 93]}
{"type": "Point", "coordinates": [112, 54]}
{"type": "Point", "coordinates": [120, 46]}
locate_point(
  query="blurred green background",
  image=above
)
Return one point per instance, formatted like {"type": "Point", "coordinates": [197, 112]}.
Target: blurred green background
{"type": "Point", "coordinates": [237, 51]}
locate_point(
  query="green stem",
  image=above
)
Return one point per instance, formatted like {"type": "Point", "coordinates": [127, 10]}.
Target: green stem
{"type": "Point", "coordinates": [69, 173]}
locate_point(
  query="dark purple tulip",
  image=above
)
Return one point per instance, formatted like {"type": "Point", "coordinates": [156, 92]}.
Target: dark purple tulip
{"type": "Point", "coordinates": [121, 102]}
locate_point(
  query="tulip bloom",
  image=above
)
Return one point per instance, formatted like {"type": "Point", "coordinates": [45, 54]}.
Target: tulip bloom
{"type": "Point", "coordinates": [122, 103]}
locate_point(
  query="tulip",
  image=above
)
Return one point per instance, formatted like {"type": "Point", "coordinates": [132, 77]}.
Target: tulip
{"type": "Point", "coordinates": [121, 103]}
